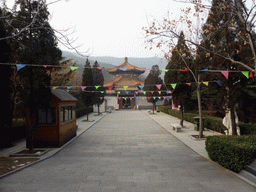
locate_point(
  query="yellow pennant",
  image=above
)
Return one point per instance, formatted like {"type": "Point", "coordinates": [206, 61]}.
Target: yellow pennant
{"type": "Point", "coordinates": [206, 83]}
{"type": "Point", "coordinates": [159, 92]}
{"type": "Point", "coordinates": [125, 87]}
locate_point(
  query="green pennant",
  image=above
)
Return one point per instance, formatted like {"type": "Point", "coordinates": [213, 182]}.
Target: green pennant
{"type": "Point", "coordinates": [102, 91]}
{"type": "Point", "coordinates": [144, 92]}
{"type": "Point", "coordinates": [173, 85]}
{"type": "Point", "coordinates": [246, 74]}
{"type": "Point", "coordinates": [97, 86]}
{"type": "Point", "coordinates": [154, 97]}
{"type": "Point", "coordinates": [73, 68]}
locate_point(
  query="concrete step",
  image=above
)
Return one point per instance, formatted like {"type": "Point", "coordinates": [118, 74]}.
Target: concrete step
{"type": "Point", "coordinates": [250, 172]}
{"type": "Point", "coordinates": [248, 176]}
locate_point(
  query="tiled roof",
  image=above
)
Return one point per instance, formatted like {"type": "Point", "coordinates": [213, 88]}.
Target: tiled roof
{"type": "Point", "coordinates": [63, 95]}
{"type": "Point", "coordinates": [124, 81]}
{"type": "Point", "coordinates": [126, 66]}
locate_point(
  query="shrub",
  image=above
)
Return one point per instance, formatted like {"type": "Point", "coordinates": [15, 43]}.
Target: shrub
{"type": "Point", "coordinates": [232, 152]}
{"type": "Point", "coordinates": [83, 111]}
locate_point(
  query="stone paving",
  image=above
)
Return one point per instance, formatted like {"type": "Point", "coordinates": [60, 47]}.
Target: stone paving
{"type": "Point", "coordinates": [125, 151]}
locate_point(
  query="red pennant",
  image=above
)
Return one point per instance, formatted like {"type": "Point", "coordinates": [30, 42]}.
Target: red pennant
{"type": "Point", "coordinates": [152, 92]}
{"type": "Point", "coordinates": [110, 92]}
{"type": "Point", "coordinates": [186, 69]}
{"type": "Point", "coordinates": [188, 84]}
{"type": "Point", "coordinates": [99, 68]}
{"type": "Point", "coordinates": [93, 91]}
{"type": "Point", "coordinates": [149, 98]}
{"type": "Point", "coordinates": [120, 98]}
{"type": "Point", "coordinates": [110, 87]}
{"type": "Point", "coordinates": [251, 74]}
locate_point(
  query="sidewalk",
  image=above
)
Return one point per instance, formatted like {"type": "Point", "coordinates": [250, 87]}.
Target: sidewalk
{"type": "Point", "coordinates": [82, 127]}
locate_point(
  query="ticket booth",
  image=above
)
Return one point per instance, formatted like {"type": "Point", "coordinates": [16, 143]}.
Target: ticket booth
{"type": "Point", "coordinates": [56, 125]}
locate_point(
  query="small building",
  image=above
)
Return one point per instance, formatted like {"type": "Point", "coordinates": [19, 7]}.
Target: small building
{"type": "Point", "coordinates": [56, 125]}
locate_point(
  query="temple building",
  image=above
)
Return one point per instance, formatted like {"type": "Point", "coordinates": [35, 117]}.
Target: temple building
{"type": "Point", "coordinates": [125, 90]}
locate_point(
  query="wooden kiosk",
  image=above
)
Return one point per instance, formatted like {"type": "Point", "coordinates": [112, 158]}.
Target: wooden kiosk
{"type": "Point", "coordinates": [57, 125]}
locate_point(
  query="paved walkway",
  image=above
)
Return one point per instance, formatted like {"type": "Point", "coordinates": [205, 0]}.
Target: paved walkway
{"type": "Point", "coordinates": [125, 151]}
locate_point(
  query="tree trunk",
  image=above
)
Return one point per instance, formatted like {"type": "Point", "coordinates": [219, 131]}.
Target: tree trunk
{"type": "Point", "coordinates": [199, 109]}
{"type": "Point", "coordinates": [181, 115]}
{"type": "Point", "coordinates": [153, 107]}
{"type": "Point", "coordinates": [233, 121]}
{"type": "Point", "coordinates": [31, 115]}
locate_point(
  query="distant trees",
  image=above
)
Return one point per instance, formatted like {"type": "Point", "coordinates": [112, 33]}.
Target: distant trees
{"type": "Point", "coordinates": [175, 75]}
{"type": "Point", "coordinates": [88, 94]}
{"type": "Point", "coordinates": [151, 81]}
{"type": "Point", "coordinates": [98, 80]}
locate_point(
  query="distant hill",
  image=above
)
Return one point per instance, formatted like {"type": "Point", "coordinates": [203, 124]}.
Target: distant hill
{"type": "Point", "coordinates": [110, 62]}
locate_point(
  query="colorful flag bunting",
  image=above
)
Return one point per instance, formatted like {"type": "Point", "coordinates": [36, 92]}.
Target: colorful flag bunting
{"type": "Point", "coordinates": [19, 66]}
{"type": "Point", "coordinates": [125, 87]}
{"type": "Point", "coordinates": [110, 87]}
{"type": "Point", "coordinates": [173, 85]}
{"type": "Point", "coordinates": [246, 74]}
{"type": "Point", "coordinates": [141, 86]}
{"type": "Point", "coordinates": [188, 84]}
{"type": "Point", "coordinates": [206, 83]}
{"type": "Point", "coordinates": [225, 73]}
{"type": "Point", "coordinates": [73, 68]}
{"type": "Point", "coordinates": [159, 86]}
{"type": "Point", "coordinates": [83, 87]}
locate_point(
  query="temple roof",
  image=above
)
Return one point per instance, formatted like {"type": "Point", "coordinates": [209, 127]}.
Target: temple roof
{"type": "Point", "coordinates": [63, 95]}
{"type": "Point", "coordinates": [125, 67]}
{"type": "Point", "coordinates": [124, 81]}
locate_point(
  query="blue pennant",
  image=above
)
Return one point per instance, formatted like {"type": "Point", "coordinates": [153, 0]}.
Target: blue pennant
{"type": "Point", "coordinates": [219, 82]}
{"type": "Point", "coordinates": [141, 86]}
{"type": "Point", "coordinates": [204, 69]}
{"type": "Point", "coordinates": [20, 66]}
{"type": "Point", "coordinates": [68, 87]}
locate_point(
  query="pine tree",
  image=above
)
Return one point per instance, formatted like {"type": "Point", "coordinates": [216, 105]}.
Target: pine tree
{"type": "Point", "coordinates": [180, 60]}
{"type": "Point", "coordinates": [220, 35]}
{"type": "Point", "coordinates": [98, 80]}
{"type": "Point", "coordinates": [87, 80]}
{"type": "Point", "coordinates": [151, 81]}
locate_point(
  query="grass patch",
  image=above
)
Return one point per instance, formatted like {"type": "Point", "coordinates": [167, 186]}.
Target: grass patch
{"type": "Point", "coordinates": [8, 164]}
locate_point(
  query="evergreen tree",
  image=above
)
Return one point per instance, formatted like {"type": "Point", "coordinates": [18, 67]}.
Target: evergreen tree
{"type": "Point", "coordinates": [151, 81]}
{"type": "Point", "coordinates": [180, 60]}
{"type": "Point", "coordinates": [98, 80]}
{"type": "Point", "coordinates": [37, 46]}
{"type": "Point", "coordinates": [222, 39]}
{"type": "Point", "coordinates": [87, 80]}
{"type": "Point", "coordinates": [7, 103]}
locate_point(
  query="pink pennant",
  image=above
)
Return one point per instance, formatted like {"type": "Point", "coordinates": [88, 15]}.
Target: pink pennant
{"type": "Point", "coordinates": [136, 92]}
{"type": "Point", "coordinates": [110, 92]}
{"type": "Point", "coordinates": [159, 86]}
{"type": "Point", "coordinates": [93, 91]}
{"type": "Point", "coordinates": [101, 98]}
{"type": "Point", "coordinates": [149, 98]}
{"type": "Point", "coordinates": [110, 87]}
{"type": "Point", "coordinates": [99, 68]}
{"type": "Point", "coordinates": [47, 66]}
{"type": "Point", "coordinates": [152, 92]}
{"type": "Point", "coordinates": [188, 84]}
{"type": "Point", "coordinates": [186, 69]}
{"type": "Point", "coordinates": [83, 87]}
{"type": "Point", "coordinates": [144, 69]}
{"type": "Point", "coordinates": [131, 98]}
{"type": "Point", "coordinates": [164, 97]}
{"type": "Point", "coordinates": [251, 74]}
{"type": "Point", "coordinates": [225, 73]}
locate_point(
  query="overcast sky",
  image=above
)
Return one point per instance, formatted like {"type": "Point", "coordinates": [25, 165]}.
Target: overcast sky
{"type": "Point", "coordinates": [110, 27]}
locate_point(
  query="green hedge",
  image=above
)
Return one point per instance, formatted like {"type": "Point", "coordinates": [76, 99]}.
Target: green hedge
{"type": "Point", "coordinates": [210, 122]}
{"type": "Point", "coordinates": [232, 152]}
{"type": "Point", "coordinates": [83, 111]}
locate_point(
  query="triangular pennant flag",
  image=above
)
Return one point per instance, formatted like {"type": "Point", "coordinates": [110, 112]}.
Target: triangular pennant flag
{"type": "Point", "coordinates": [144, 92]}
{"type": "Point", "coordinates": [170, 97]}
{"type": "Point", "coordinates": [54, 87]}
{"type": "Point", "coordinates": [125, 98]}
{"type": "Point", "coordinates": [154, 97]}
{"type": "Point", "coordinates": [246, 74]}
{"type": "Point", "coordinates": [131, 98]}
{"type": "Point", "coordinates": [19, 66]}
{"type": "Point", "coordinates": [102, 91]}
{"type": "Point", "coordinates": [68, 87]}
{"type": "Point", "coordinates": [73, 68]}
{"type": "Point", "coordinates": [149, 98]}
{"type": "Point", "coordinates": [219, 82]}
{"type": "Point", "coordinates": [127, 92]}
{"type": "Point", "coordinates": [114, 98]}
{"type": "Point", "coordinates": [173, 85]}
{"type": "Point", "coordinates": [93, 91]}
{"type": "Point", "coordinates": [159, 92]}
{"type": "Point", "coordinates": [159, 86]}
{"type": "Point", "coordinates": [97, 86]}
{"type": "Point", "coordinates": [83, 87]}
{"type": "Point", "coordinates": [206, 83]}
{"type": "Point", "coordinates": [136, 92]}
{"type": "Point", "coordinates": [166, 70]}
{"type": "Point", "coordinates": [110, 87]}
{"type": "Point", "coordinates": [251, 74]}
{"type": "Point", "coordinates": [167, 92]}
{"type": "Point", "coordinates": [47, 66]}
{"type": "Point", "coordinates": [67, 90]}
{"type": "Point", "coordinates": [125, 87]}
{"type": "Point", "coordinates": [164, 97]}
{"type": "Point", "coordinates": [101, 98]}
{"type": "Point", "coordinates": [225, 73]}
{"type": "Point", "coordinates": [75, 91]}
{"type": "Point", "coordinates": [141, 86]}
{"type": "Point", "coordinates": [186, 69]}
{"type": "Point", "coordinates": [123, 69]}
{"type": "Point", "coordinates": [151, 92]}
{"type": "Point", "coordinates": [119, 98]}
{"type": "Point", "coordinates": [143, 69]}
{"type": "Point", "coordinates": [188, 84]}
{"type": "Point", "coordinates": [118, 92]}
{"type": "Point", "coordinates": [110, 92]}
{"type": "Point", "coordinates": [159, 97]}
{"type": "Point", "coordinates": [99, 68]}
{"type": "Point", "coordinates": [204, 70]}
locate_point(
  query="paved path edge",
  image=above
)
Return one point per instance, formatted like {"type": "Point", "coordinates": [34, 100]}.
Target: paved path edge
{"type": "Point", "coordinates": [57, 150]}
{"type": "Point", "coordinates": [236, 174]}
